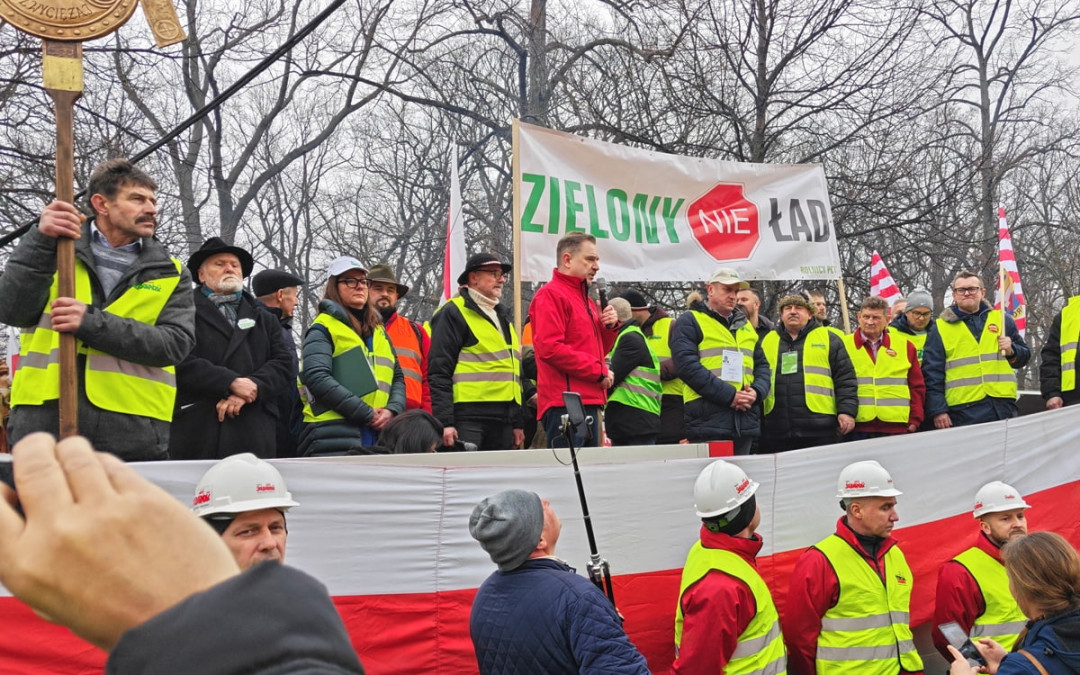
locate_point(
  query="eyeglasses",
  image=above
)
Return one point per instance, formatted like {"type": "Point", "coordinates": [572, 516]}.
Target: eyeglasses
{"type": "Point", "coordinates": [353, 282]}
{"type": "Point", "coordinates": [967, 290]}
{"type": "Point", "coordinates": [497, 274]}
{"type": "Point", "coordinates": [919, 314]}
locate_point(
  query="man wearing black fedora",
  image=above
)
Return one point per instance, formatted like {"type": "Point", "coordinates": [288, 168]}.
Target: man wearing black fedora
{"type": "Point", "coordinates": [227, 386]}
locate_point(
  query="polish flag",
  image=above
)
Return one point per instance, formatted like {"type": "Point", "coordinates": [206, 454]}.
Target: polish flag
{"type": "Point", "coordinates": [881, 282]}
{"type": "Point", "coordinates": [454, 255]}
{"type": "Point", "coordinates": [1009, 289]}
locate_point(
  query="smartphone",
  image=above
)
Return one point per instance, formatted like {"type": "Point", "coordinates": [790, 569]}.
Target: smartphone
{"type": "Point", "coordinates": [959, 639]}
{"type": "Point", "coordinates": [574, 408]}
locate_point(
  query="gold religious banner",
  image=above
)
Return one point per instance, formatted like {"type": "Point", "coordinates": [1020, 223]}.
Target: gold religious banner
{"type": "Point", "coordinates": [63, 25]}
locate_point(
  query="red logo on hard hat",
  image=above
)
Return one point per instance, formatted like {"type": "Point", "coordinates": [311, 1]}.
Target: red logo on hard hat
{"type": "Point", "coordinates": [742, 486]}
{"type": "Point", "coordinates": [202, 498]}
{"type": "Point", "coordinates": [978, 505]}
{"type": "Point", "coordinates": [854, 484]}
{"type": "Point", "coordinates": [1010, 497]}
{"type": "Point", "coordinates": [265, 487]}
{"type": "Point", "coordinates": [724, 222]}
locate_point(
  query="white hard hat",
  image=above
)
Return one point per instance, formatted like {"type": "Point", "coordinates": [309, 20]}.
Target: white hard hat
{"type": "Point", "coordinates": [238, 484]}
{"type": "Point", "coordinates": [720, 488]}
{"type": "Point", "coordinates": [997, 497]}
{"type": "Point", "coordinates": [865, 479]}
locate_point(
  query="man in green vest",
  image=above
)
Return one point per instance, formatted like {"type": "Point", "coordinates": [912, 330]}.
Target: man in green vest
{"type": "Point", "coordinates": [972, 588]}
{"type": "Point", "coordinates": [632, 413]}
{"type": "Point", "coordinates": [474, 367]}
{"type": "Point", "coordinates": [916, 322]}
{"type": "Point", "coordinates": [970, 362]}
{"type": "Point", "coordinates": [722, 366]}
{"type": "Point", "coordinates": [1057, 367]}
{"type": "Point", "coordinates": [656, 325]}
{"type": "Point", "coordinates": [891, 387]}
{"type": "Point", "coordinates": [813, 398]}
{"type": "Point", "coordinates": [850, 593]}
{"type": "Point", "coordinates": [725, 621]}
{"type": "Point", "coordinates": [132, 316]}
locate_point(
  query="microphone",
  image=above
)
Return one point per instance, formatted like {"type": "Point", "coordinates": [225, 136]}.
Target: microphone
{"type": "Point", "coordinates": [601, 290]}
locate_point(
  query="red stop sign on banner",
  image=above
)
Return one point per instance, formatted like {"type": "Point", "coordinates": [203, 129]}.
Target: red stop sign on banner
{"type": "Point", "coordinates": [724, 222]}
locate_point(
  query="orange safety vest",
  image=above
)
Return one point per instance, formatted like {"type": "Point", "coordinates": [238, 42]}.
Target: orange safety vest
{"type": "Point", "coordinates": [403, 335]}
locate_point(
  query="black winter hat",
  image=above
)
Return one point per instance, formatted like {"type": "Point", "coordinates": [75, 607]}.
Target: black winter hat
{"type": "Point", "coordinates": [272, 281]}
{"type": "Point", "coordinates": [481, 260]}
{"type": "Point", "coordinates": [214, 246]}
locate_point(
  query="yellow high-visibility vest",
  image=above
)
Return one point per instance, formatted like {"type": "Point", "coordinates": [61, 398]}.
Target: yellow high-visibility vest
{"type": "Point", "coordinates": [381, 357]}
{"type": "Point", "coordinates": [817, 372]}
{"type": "Point", "coordinates": [489, 370]}
{"type": "Point", "coordinates": [658, 341]}
{"type": "Point", "coordinates": [867, 631]}
{"type": "Point", "coordinates": [1070, 330]}
{"type": "Point", "coordinates": [641, 387]}
{"type": "Point", "coordinates": [1002, 619]}
{"type": "Point", "coordinates": [716, 339]}
{"type": "Point", "coordinates": [760, 647]}
{"type": "Point", "coordinates": [975, 370]}
{"type": "Point", "coordinates": [111, 383]}
{"type": "Point", "coordinates": [883, 384]}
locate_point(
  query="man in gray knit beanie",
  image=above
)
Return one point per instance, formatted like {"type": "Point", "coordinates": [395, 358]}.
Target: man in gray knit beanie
{"type": "Point", "coordinates": [508, 526]}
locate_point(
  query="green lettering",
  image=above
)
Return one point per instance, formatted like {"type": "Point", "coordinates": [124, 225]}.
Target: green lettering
{"type": "Point", "coordinates": [553, 206]}
{"type": "Point", "coordinates": [537, 182]}
{"type": "Point", "coordinates": [669, 214]}
{"type": "Point", "coordinates": [594, 220]}
{"type": "Point", "coordinates": [572, 206]}
{"type": "Point", "coordinates": [641, 217]}
{"type": "Point", "coordinates": [618, 214]}
{"type": "Point", "coordinates": [650, 224]}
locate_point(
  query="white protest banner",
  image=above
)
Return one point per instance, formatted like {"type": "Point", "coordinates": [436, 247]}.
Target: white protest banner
{"type": "Point", "coordinates": [661, 217]}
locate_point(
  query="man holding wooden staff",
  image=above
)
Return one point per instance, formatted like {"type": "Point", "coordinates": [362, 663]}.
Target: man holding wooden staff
{"type": "Point", "coordinates": [132, 316]}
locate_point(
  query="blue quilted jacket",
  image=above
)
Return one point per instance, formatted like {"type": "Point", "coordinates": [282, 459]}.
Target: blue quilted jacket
{"type": "Point", "coordinates": [544, 619]}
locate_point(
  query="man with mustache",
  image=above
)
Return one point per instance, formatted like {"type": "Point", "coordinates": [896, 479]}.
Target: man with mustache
{"type": "Point", "coordinates": [972, 588]}
{"type": "Point", "coordinates": [132, 318]}
{"type": "Point", "coordinates": [227, 387]}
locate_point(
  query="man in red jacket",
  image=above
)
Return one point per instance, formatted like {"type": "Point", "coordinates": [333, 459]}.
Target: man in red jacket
{"type": "Point", "coordinates": [571, 337]}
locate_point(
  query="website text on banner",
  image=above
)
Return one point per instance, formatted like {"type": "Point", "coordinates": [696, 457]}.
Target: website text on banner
{"type": "Point", "coordinates": [660, 217]}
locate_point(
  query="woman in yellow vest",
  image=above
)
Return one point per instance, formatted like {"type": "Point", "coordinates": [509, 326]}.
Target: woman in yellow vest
{"type": "Point", "coordinates": [350, 381]}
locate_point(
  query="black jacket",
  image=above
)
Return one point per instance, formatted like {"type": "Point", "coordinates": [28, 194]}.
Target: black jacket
{"type": "Point", "coordinates": [290, 411]}
{"type": "Point", "coordinates": [270, 620]}
{"type": "Point", "coordinates": [623, 421]}
{"type": "Point", "coordinates": [667, 366]}
{"type": "Point", "coordinates": [790, 418]}
{"type": "Point", "coordinates": [1050, 366]}
{"type": "Point", "coordinates": [222, 353]}
{"type": "Point", "coordinates": [449, 335]}
{"type": "Point", "coordinates": [711, 417]}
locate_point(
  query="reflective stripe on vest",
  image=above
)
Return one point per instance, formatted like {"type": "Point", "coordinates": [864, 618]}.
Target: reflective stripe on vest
{"type": "Point", "coordinates": [867, 631]}
{"type": "Point", "coordinates": [1002, 619]}
{"type": "Point", "coordinates": [641, 388]}
{"type": "Point", "coordinates": [975, 370]}
{"type": "Point", "coordinates": [817, 373]}
{"type": "Point", "coordinates": [111, 383]}
{"type": "Point", "coordinates": [1068, 334]}
{"type": "Point", "coordinates": [883, 385]}
{"type": "Point", "coordinates": [760, 647]}
{"type": "Point", "coordinates": [488, 370]}
{"type": "Point", "coordinates": [407, 348]}
{"type": "Point", "coordinates": [658, 342]}
{"type": "Point", "coordinates": [381, 357]}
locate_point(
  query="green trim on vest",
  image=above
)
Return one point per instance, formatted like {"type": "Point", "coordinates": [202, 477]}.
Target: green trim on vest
{"type": "Point", "coordinates": [1002, 619]}
{"type": "Point", "coordinates": [883, 385]}
{"type": "Point", "coordinates": [716, 338]}
{"type": "Point", "coordinates": [490, 370]}
{"type": "Point", "coordinates": [760, 649]}
{"type": "Point", "coordinates": [641, 388]}
{"type": "Point", "coordinates": [975, 370]}
{"type": "Point", "coordinates": [867, 632]}
{"type": "Point", "coordinates": [1067, 337]}
{"type": "Point", "coordinates": [381, 357]}
{"type": "Point", "coordinates": [817, 371]}
{"type": "Point", "coordinates": [660, 346]}
{"type": "Point", "coordinates": [111, 383]}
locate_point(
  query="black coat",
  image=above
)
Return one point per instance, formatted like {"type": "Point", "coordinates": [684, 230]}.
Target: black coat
{"type": "Point", "coordinates": [290, 411]}
{"type": "Point", "coordinates": [790, 418]}
{"type": "Point", "coordinates": [623, 421]}
{"type": "Point", "coordinates": [223, 353]}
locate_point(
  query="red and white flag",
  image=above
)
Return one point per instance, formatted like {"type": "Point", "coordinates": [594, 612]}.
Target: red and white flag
{"type": "Point", "coordinates": [881, 282]}
{"type": "Point", "coordinates": [1010, 292]}
{"type": "Point", "coordinates": [454, 254]}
